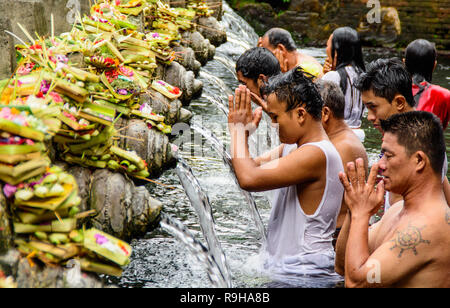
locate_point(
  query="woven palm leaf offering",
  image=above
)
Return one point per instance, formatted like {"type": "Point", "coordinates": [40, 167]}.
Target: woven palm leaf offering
{"type": "Point", "coordinates": [43, 200]}
{"type": "Point", "coordinates": [22, 151]}
{"type": "Point", "coordinates": [86, 134]}
{"type": "Point", "coordinates": [123, 61]}
{"type": "Point", "coordinates": [200, 7]}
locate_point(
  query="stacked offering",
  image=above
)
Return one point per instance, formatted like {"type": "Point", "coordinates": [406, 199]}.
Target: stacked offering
{"type": "Point", "coordinates": [43, 200]}
{"type": "Point", "coordinates": [87, 139]}
{"type": "Point", "coordinates": [200, 7]}
{"type": "Point", "coordinates": [22, 146]}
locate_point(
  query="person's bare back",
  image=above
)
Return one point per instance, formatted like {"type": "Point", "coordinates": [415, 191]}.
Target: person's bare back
{"type": "Point", "coordinates": [350, 149]}
{"type": "Point", "coordinates": [340, 134]}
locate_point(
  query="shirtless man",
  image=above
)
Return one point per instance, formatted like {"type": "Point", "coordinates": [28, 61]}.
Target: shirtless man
{"type": "Point", "coordinates": [410, 246]}
{"type": "Point", "coordinates": [304, 213]}
{"type": "Point", "coordinates": [341, 135]}
{"type": "Point", "coordinates": [280, 42]}
{"type": "Point", "coordinates": [386, 89]}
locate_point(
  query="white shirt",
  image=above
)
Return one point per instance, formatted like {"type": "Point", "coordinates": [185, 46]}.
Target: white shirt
{"type": "Point", "coordinates": [354, 106]}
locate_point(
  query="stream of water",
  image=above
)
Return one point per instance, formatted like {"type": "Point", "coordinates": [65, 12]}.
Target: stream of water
{"type": "Point", "coordinates": [215, 240]}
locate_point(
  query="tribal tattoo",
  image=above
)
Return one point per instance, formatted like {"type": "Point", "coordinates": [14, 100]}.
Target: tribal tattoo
{"type": "Point", "coordinates": [409, 239]}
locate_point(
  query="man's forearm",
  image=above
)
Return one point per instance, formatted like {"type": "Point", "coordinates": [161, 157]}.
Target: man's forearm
{"type": "Point", "coordinates": [357, 251]}
{"type": "Point", "coordinates": [341, 245]}
{"type": "Point", "coordinates": [241, 159]}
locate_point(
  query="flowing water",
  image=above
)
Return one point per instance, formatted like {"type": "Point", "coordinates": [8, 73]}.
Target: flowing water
{"type": "Point", "coordinates": [219, 235]}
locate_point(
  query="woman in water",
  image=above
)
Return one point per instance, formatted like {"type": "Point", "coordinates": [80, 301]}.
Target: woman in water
{"type": "Point", "coordinates": [343, 66]}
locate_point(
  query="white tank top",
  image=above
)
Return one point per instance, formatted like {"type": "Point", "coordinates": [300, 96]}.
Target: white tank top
{"type": "Point", "coordinates": [300, 244]}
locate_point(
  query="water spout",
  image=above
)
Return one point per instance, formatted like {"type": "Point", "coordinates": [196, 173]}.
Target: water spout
{"type": "Point", "coordinates": [226, 157]}
{"type": "Point", "coordinates": [202, 206]}
{"type": "Point", "coordinates": [197, 249]}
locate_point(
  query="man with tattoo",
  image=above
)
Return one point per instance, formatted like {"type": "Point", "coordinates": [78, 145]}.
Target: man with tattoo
{"type": "Point", "coordinates": [410, 245]}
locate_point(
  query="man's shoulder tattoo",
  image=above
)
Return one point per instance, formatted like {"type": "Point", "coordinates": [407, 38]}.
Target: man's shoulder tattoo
{"type": "Point", "coordinates": [408, 239]}
{"type": "Point", "coordinates": [447, 216]}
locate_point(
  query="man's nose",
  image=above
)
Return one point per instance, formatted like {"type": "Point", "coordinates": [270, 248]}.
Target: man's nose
{"type": "Point", "coordinates": [382, 162]}
{"type": "Point", "coordinates": [371, 116]}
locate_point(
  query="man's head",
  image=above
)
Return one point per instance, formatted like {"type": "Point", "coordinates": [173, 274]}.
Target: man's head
{"type": "Point", "coordinates": [333, 99]}
{"type": "Point", "coordinates": [386, 89]}
{"type": "Point", "coordinates": [278, 38]}
{"type": "Point", "coordinates": [255, 67]}
{"type": "Point", "coordinates": [420, 60]}
{"type": "Point", "coordinates": [413, 146]}
{"type": "Point", "coordinates": [293, 102]}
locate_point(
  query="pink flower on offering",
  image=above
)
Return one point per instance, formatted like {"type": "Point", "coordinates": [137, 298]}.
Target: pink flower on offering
{"type": "Point", "coordinates": [100, 239]}
{"type": "Point", "coordinates": [145, 108]}
{"type": "Point", "coordinates": [45, 86]}
{"type": "Point", "coordinates": [122, 92]}
{"type": "Point", "coordinates": [68, 115]}
{"type": "Point", "coordinates": [29, 142]}
{"type": "Point", "coordinates": [126, 72]}
{"type": "Point", "coordinates": [25, 69]}
{"type": "Point", "coordinates": [5, 113]}
{"type": "Point", "coordinates": [9, 190]}
{"type": "Point", "coordinates": [155, 35]}
{"type": "Point", "coordinates": [56, 97]}
{"type": "Point", "coordinates": [60, 66]}
{"type": "Point", "coordinates": [62, 58]}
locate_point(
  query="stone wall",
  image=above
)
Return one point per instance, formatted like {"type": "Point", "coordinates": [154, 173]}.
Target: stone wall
{"type": "Point", "coordinates": [312, 21]}
{"type": "Point", "coordinates": [35, 16]}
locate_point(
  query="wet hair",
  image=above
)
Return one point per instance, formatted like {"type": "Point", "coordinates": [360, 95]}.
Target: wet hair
{"type": "Point", "coordinates": [281, 36]}
{"type": "Point", "coordinates": [332, 97]}
{"type": "Point", "coordinates": [346, 45]}
{"type": "Point", "coordinates": [296, 88]}
{"type": "Point", "coordinates": [387, 78]}
{"type": "Point", "coordinates": [258, 61]}
{"type": "Point", "coordinates": [420, 57]}
{"type": "Point", "coordinates": [419, 131]}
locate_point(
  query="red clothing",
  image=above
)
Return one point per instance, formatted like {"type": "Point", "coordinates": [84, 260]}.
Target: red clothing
{"type": "Point", "coordinates": [434, 99]}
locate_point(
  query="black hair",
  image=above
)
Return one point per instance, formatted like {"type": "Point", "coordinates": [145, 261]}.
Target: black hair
{"type": "Point", "coordinates": [419, 131]}
{"type": "Point", "coordinates": [387, 78]}
{"type": "Point", "coordinates": [332, 97]}
{"type": "Point", "coordinates": [281, 36]}
{"type": "Point", "coordinates": [420, 57]}
{"type": "Point", "coordinates": [296, 88]}
{"type": "Point", "coordinates": [346, 45]}
{"type": "Point", "coordinates": [258, 61]}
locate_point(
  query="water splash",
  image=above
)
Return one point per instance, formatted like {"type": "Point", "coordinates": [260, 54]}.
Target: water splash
{"type": "Point", "coordinates": [226, 157]}
{"type": "Point", "coordinates": [197, 249]}
{"type": "Point", "coordinates": [202, 206]}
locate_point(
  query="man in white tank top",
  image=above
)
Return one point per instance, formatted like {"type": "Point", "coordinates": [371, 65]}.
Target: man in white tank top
{"type": "Point", "coordinates": [305, 173]}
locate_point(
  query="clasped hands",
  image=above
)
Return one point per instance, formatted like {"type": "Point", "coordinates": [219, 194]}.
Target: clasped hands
{"type": "Point", "coordinates": [240, 115]}
{"type": "Point", "coordinates": [362, 198]}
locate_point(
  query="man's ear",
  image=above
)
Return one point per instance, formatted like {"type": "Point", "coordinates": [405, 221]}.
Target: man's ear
{"type": "Point", "coordinates": [326, 113]}
{"type": "Point", "coordinates": [421, 160]}
{"type": "Point", "coordinates": [262, 79]}
{"type": "Point", "coordinates": [400, 103]}
{"type": "Point", "coordinates": [282, 48]}
{"type": "Point", "coordinates": [300, 113]}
